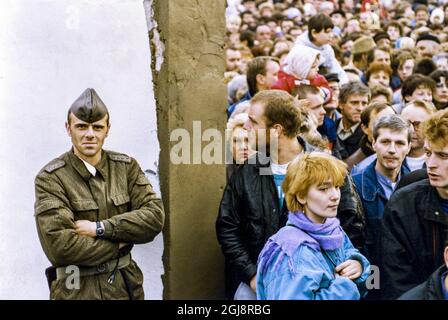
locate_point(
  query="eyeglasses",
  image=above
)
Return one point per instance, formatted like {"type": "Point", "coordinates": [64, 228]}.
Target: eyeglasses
{"type": "Point", "coordinates": [415, 124]}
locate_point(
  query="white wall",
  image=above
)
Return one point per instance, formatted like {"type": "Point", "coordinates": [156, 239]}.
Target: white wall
{"type": "Point", "coordinates": [50, 51]}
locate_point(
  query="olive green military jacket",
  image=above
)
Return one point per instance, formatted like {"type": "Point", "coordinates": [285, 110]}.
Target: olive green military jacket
{"type": "Point", "coordinates": [131, 214]}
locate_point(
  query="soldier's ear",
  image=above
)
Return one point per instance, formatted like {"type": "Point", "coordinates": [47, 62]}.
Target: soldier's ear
{"type": "Point", "coordinates": [67, 128]}
{"type": "Point", "coordinates": [108, 128]}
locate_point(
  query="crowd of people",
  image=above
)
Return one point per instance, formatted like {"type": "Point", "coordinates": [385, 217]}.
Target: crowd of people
{"type": "Point", "coordinates": [339, 133]}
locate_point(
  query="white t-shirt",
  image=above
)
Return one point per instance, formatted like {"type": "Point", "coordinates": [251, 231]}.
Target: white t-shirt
{"type": "Point", "coordinates": [279, 168]}
{"type": "Point", "coordinates": [415, 163]}
{"type": "Point", "coordinates": [279, 173]}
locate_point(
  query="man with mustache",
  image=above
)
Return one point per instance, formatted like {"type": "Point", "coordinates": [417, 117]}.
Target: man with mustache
{"type": "Point", "coordinates": [416, 218]}
{"type": "Point", "coordinates": [353, 99]}
{"type": "Point", "coordinates": [375, 184]}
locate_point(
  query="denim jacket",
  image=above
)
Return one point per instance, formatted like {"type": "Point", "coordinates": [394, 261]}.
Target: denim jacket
{"type": "Point", "coordinates": [373, 200]}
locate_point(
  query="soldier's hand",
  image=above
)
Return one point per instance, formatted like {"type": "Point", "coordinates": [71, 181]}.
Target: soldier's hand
{"type": "Point", "coordinates": [85, 228]}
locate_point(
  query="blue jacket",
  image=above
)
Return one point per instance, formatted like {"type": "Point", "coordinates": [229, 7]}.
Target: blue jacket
{"type": "Point", "coordinates": [373, 200]}
{"type": "Point", "coordinates": [328, 129]}
{"type": "Point", "coordinates": [309, 275]}
{"type": "Point", "coordinates": [232, 107]}
{"type": "Point", "coordinates": [395, 82]}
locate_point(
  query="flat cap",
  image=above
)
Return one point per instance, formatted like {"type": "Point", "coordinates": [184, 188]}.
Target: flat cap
{"type": "Point", "coordinates": [89, 107]}
{"type": "Point", "coordinates": [381, 35]}
{"type": "Point", "coordinates": [363, 44]}
{"type": "Point", "coordinates": [341, 12]}
{"type": "Point", "coordinates": [427, 36]}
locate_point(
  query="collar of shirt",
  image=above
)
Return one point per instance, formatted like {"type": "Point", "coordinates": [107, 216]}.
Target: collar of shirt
{"type": "Point", "coordinates": [279, 169]}
{"type": "Point", "coordinates": [89, 167]}
{"type": "Point", "coordinates": [343, 133]}
{"type": "Point", "coordinates": [387, 184]}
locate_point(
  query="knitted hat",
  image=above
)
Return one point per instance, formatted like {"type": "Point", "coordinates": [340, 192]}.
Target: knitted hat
{"type": "Point", "coordinates": [299, 61]}
{"type": "Point", "coordinates": [437, 16]}
{"type": "Point", "coordinates": [405, 43]}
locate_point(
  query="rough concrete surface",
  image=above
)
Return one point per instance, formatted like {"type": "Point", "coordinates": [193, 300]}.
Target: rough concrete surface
{"type": "Point", "coordinates": [189, 87]}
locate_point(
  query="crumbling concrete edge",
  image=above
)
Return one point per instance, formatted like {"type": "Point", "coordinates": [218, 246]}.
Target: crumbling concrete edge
{"type": "Point", "coordinates": [157, 48]}
{"type": "Point", "coordinates": [157, 45]}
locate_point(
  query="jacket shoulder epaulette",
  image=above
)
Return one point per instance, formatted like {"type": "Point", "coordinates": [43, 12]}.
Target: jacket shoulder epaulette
{"type": "Point", "coordinates": [115, 156]}
{"type": "Point", "coordinates": [54, 165]}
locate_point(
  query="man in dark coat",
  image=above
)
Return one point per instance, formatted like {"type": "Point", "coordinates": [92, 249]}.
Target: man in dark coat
{"type": "Point", "coordinates": [435, 288]}
{"type": "Point", "coordinates": [353, 99]}
{"type": "Point", "coordinates": [416, 218]}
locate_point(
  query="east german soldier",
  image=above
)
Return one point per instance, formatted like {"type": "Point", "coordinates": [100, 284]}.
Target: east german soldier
{"type": "Point", "coordinates": [92, 206]}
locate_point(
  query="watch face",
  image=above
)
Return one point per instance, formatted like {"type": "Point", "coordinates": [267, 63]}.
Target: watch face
{"type": "Point", "coordinates": [99, 229]}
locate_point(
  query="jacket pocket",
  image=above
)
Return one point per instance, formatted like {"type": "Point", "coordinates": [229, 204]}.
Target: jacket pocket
{"type": "Point", "coordinates": [121, 201]}
{"type": "Point", "coordinates": [134, 279]}
{"type": "Point", "coordinates": [84, 205]}
{"type": "Point", "coordinates": [85, 209]}
{"type": "Point", "coordinates": [43, 206]}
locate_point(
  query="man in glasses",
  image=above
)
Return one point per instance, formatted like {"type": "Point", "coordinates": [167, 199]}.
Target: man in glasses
{"type": "Point", "coordinates": [415, 113]}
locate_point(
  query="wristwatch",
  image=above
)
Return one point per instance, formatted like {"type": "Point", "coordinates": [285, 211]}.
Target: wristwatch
{"type": "Point", "coordinates": [99, 229]}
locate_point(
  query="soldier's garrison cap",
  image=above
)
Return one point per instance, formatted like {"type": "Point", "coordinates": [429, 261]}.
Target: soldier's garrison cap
{"type": "Point", "coordinates": [89, 107]}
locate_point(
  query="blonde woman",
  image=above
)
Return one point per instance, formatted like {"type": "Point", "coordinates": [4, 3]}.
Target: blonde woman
{"type": "Point", "coordinates": [311, 258]}
{"type": "Point", "coordinates": [238, 142]}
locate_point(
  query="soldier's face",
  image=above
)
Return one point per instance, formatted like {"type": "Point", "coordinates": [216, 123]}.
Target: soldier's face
{"type": "Point", "coordinates": [87, 138]}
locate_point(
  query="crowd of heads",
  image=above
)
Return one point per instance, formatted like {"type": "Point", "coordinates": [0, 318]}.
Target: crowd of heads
{"type": "Point", "coordinates": [390, 52]}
